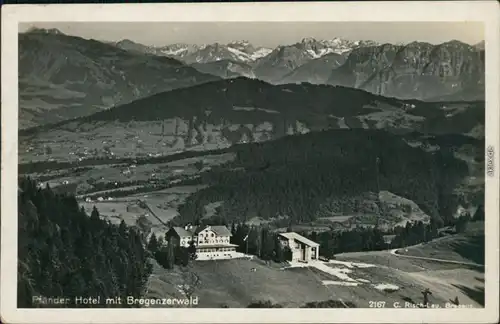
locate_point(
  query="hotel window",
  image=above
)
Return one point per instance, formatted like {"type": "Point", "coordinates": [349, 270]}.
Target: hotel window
{"type": "Point", "coordinates": [213, 235]}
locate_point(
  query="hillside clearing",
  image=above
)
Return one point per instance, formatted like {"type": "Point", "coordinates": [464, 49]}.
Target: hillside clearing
{"type": "Point", "coordinates": [464, 247]}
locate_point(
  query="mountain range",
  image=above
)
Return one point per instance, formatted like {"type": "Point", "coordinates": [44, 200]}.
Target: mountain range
{"type": "Point", "coordinates": [418, 70]}
{"type": "Point", "coordinates": [268, 64]}
{"type": "Point", "coordinates": [63, 77]}
{"type": "Point", "coordinates": [242, 51]}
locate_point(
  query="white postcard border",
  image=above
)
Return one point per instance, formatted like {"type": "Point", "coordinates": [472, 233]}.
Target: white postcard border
{"type": "Point", "coordinates": [12, 15]}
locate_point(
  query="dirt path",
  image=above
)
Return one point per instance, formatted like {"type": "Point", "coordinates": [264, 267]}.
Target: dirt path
{"type": "Point", "coordinates": [397, 253]}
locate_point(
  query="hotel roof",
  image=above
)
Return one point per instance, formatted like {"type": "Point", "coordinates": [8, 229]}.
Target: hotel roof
{"type": "Point", "coordinates": [300, 238]}
{"type": "Point", "coordinates": [219, 230]}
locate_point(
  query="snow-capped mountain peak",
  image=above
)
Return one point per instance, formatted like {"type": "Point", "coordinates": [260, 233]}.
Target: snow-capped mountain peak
{"type": "Point", "coordinates": [260, 53]}
{"type": "Point", "coordinates": [246, 52]}
{"type": "Point", "coordinates": [318, 48]}
{"type": "Point", "coordinates": [242, 51]}
{"type": "Point", "coordinates": [179, 49]}
{"type": "Point", "coordinates": [237, 51]}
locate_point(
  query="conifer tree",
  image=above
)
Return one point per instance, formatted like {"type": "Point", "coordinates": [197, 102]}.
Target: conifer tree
{"type": "Point", "coordinates": [153, 244]}
{"type": "Point", "coordinates": [192, 250]}
{"type": "Point", "coordinates": [278, 250]}
{"type": "Point", "coordinates": [170, 255]}
{"type": "Point", "coordinates": [74, 255]}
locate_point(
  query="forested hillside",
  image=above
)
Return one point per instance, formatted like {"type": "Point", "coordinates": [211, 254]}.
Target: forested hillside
{"type": "Point", "coordinates": [294, 175]}
{"type": "Point", "coordinates": [64, 252]}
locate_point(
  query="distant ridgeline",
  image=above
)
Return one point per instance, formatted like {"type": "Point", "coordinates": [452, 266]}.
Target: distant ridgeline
{"type": "Point", "coordinates": [64, 252]}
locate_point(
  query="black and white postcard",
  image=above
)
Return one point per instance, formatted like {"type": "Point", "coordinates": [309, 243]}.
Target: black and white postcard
{"type": "Point", "coordinates": [245, 162]}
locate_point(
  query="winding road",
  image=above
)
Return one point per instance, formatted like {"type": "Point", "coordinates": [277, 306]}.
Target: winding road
{"type": "Point", "coordinates": [396, 253]}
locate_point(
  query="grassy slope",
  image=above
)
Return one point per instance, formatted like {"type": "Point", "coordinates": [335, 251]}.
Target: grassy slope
{"type": "Point", "coordinates": [232, 283]}
{"type": "Point", "coordinates": [463, 247]}
{"type": "Point", "coordinates": [445, 280]}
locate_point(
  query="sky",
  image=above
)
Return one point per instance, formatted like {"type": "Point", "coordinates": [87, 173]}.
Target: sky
{"type": "Point", "coordinates": [268, 34]}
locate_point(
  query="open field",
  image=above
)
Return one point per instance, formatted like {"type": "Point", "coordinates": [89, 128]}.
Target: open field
{"type": "Point", "coordinates": [159, 207]}
{"type": "Point", "coordinates": [116, 211]}
{"type": "Point", "coordinates": [231, 283]}
{"type": "Point", "coordinates": [164, 203]}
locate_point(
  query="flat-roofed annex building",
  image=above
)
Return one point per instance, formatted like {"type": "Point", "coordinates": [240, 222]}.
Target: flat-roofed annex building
{"type": "Point", "coordinates": [303, 249]}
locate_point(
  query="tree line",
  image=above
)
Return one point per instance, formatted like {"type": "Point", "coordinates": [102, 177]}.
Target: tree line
{"type": "Point", "coordinates": [263, 242]}
{"type": "Point", "coordinates": [64, 252]}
